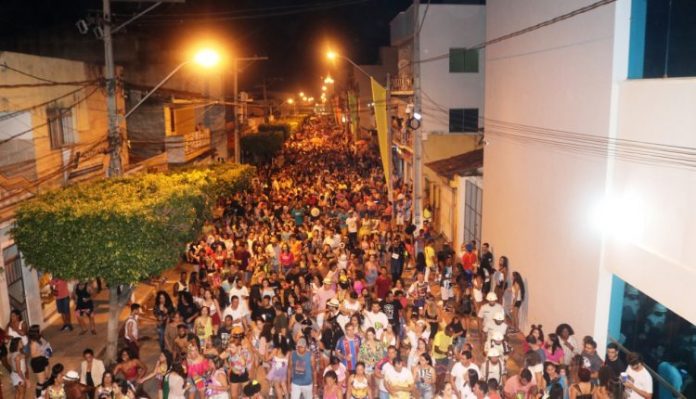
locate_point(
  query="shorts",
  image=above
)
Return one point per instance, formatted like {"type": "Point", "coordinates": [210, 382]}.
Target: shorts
{"type": "Point", "coordinates": [38, 364]}
{"type": "Point", "coordinates": [84, 312]}
{"type": "Point", "coordinates": [239, 378]}
{"type": "Point", "coordinates": [63, 305]}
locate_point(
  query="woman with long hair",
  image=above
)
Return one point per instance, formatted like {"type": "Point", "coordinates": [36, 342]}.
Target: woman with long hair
{"type": "Point", "coordinates": [162, 367]}
{"type": "Point", "coordinates": [218, 386]}
{"type": "Point", "coordinates": [278, 373]}
{"type": "Point", "coordinates": [424, 374]}
{"type": "Point", "coordinates": [359, 384]}
{"type": "Point", "coordinates": [372, 351]}
{"type": "Point", "coordinates": [107, 389]}
{"type": "Point", "coordinates": [84, 307]}
{"type": "Point", "coordinates": [38, 356]}
{"type": "Point", "coordinates": [203, 326]}
{"type": "Point", "coordinates": [18, 366]}
{"type": "Point", "coordinates": [163, 310]}
{"type": "Point", "coordinates": [54, 385]}
{"type": "Point", "coordinates": [518, 293]}
{"type": "Point", "coordinates": [553, 349]}
{"type": "Point", "coordinates": [130, 367]}
{"type": "Point", "coordinates": [213, 306]}
{"type": "Point", "coordinates": [175, 383]}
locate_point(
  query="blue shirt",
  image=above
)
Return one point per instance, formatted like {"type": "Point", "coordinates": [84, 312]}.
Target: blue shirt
{"type": "Point", "coordinates": [301, 368]}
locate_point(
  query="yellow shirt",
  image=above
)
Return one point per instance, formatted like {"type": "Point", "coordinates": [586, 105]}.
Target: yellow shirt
{"type": "Point", "coordinates": [429, 256]}
{"type": "Point", "coordinates": [441, 341]}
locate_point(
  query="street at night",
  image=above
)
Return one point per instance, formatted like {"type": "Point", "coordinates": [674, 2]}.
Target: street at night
{"type": "Point", "coordinates": [359, 199]}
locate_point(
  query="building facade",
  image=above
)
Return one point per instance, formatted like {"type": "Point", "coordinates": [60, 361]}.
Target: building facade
{"type": "Point", "coordinates": [589, 168]}
{"type": "Point", "coordinates": [53, 132]}
{"type": "Point", "coordinates": [446, 82]}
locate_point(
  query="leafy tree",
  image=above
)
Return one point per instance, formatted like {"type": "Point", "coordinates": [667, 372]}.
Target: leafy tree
{"type": "Point", "coordinates": [123, 230]}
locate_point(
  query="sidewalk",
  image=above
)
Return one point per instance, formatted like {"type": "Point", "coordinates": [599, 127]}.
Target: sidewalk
{"type": "Point", "coordinates": [68, 345]}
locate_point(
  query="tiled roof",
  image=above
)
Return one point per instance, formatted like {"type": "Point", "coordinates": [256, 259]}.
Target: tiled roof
{"type": "Point", "coordinates": [465, 164]}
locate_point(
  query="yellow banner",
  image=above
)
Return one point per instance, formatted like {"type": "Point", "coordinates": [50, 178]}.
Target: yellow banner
{"type": "Point", "coordinates": [379, 98]}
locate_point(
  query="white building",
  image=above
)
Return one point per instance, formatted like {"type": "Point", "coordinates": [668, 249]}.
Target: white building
{"type": "Point", "coordinates": [450, 78]}
{"type": "Point", "coordinates": [575, 133]}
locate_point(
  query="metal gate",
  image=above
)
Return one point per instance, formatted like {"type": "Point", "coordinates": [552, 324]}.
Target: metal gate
{"type": "Point", "coordinates": [15, 280]}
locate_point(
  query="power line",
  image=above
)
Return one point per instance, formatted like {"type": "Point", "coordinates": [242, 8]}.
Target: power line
{"type": "Point", "coordinates": [49, 84]}
{"type": "Point", "coordinates": [43, 104]}
{"type": "Point", "coordinates": [158, 19]}
{"type": "Point", "coordinates": [49, 120]}
{"type": "Point", "coordinates": [520, 32]}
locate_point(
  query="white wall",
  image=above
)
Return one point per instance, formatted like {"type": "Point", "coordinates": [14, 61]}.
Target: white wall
{"type": "Point", "coordinates": [558, 77]}
{"type": "Point", "coordinates": [449, 26]}
{"type": "Point", "coordinates": [659, 257]}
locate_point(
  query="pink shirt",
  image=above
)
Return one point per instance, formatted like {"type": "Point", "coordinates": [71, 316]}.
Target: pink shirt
{"type": "Point", "coordinates": [322, 296]}
{"type": "Point", "coordinates": [555, 357]}
{"type": "Point", "coordinates": [513, 386]}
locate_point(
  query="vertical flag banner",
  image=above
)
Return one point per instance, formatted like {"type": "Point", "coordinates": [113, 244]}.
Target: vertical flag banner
{"type": "Point", "coordinates": [353, 108]}
{"type": "Point", "coordinates": [379, 98]}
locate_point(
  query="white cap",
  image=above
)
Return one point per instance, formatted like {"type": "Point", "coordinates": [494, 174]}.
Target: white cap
{"type": "Point", "coordinates": [500, 316]}
{"type": "Point", "coordinates": [333, 302]}
{"type": "Point", "coordinates": [491, 296]}
{"type": "Point", "coordinates": [72, 375]}
{"type": "Point", "coordinates": [493, 352]}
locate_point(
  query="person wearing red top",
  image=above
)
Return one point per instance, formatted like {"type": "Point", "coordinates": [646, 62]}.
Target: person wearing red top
{"type": "Point", "coordinates": [383, 283]}
{"type": "Point", "coordinates": [62, 295]}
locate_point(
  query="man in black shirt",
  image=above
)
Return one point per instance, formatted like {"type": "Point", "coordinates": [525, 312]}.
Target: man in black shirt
{"type": "Point", "coordinates": [265, 312]}
{"type": "Point", "coordinates": [613, 359]}
{"type": "Point", "coordinates": [392, 308]}
{"type": "Point", "coordinates": [485, 269]}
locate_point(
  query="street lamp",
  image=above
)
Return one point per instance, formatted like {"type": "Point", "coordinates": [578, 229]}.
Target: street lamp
{"type": "Point", "coordinates": [292, 102]}
{"type": "Point", "coordinates": [332, 55]}
{"type": "Point", "coordinates": [328, 80]}
{"type": "Point", "coordinates": [206, 58]}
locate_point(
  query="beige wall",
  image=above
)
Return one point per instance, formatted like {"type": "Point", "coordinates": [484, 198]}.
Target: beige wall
{"type": "Point", "coordinates": [441, 146]}
{"type": "Point", "coordinates": [536, 196]}
{"type": "Point", "coordinates": [89, 116]}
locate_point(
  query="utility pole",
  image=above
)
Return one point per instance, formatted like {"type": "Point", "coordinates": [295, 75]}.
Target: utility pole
{"type": "Point", "coordinates": [417, 133]}
{"type": "Point", "coordinates": [115, 167]}
{"type": "Point", "coordinates": [237, 152]}
{"type": "Point", "coordinates": [235, 70]}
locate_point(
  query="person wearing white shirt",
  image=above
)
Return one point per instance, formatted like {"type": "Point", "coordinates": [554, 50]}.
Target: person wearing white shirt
{"type": "Point", "coordinates": [488, 311]}
{"type": "Point", "coordinates": [459, 375]}
{"type": "Point", "coordinates": [638, 382]}
{"type": "Point", "coordinates": [235, 310]}
{"type": "Point", "coordinates": [376, 319]}
{"type": "Point", "coordinates": [399, 381]}
{"type": "Point", "coordinates": [240, 291]}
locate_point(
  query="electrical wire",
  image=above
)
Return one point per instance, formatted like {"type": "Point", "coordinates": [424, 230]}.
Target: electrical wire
{"type": "Point", "coordinates": [163, 18]}
{"type": "Point", "coordinates": [43, 104]}
{"type": "Point", "coordinates": [520, 32]}
{"type": "Point", "coordinates": [49, 120]}
{"type": "Point", "coordinates": [30, 75]}
{"type": "Point", "coordinates": [47, 84]}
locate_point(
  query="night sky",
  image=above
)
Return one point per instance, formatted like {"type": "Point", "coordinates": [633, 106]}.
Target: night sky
{"type": "Point", "coordinates": [292, 33]}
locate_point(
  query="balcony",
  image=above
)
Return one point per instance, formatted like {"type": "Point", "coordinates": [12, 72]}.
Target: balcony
{"type": "Point", "coordinates": [403, 138]}
{"type": "Point", "coordinates": [184, 148]}
{"type": "Point", "coordinates": [402, 86]}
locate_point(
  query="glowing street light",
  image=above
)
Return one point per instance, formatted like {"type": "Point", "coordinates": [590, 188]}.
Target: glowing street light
{"type": "Point", "coordinates": [323, 88]}
{"type": "Point", "coordinates": [328, 80]}
{"type": "Point", "coordinates": [206, 58]}
{"type": "Point", "coordinates": [291, 101]}
{"type": "Point", "coordinates": [332, 55]}
{"type": "Point", "coordinates": [302, 94]}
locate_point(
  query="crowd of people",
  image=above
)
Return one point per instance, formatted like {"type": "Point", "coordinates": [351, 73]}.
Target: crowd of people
{"type": "Point", "coordinates": [314, 283]}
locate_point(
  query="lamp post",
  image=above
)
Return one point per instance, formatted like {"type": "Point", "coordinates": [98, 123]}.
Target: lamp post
{"type": "Point", "coordinates": [205, 58]}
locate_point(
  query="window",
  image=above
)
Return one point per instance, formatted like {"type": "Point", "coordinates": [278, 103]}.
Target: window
{"type": "Point", "coordinates": [463, 60]}
{"type": "Point", "coordinates": [463, 119]}
{"type": "Point", "coordinates": [172, 120]}
{"type": "Point", "coordinates": [473, 204]}
{"type": "Point", "coordinates": [60, 127]}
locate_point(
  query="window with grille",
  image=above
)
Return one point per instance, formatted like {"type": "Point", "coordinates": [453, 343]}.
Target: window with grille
{"type": "Point", "coordinates": [463, 120]}
{"type": "Point", "coordinates": [60, 127]}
